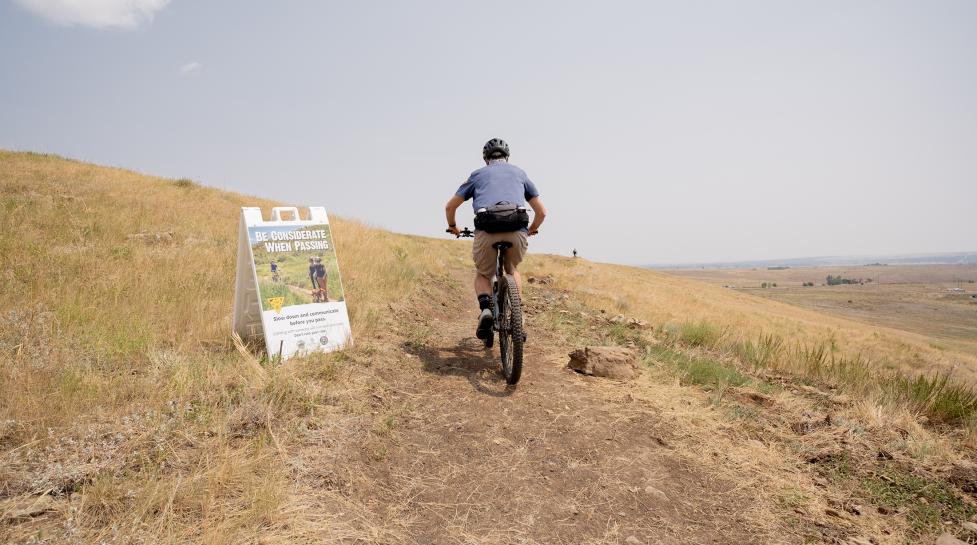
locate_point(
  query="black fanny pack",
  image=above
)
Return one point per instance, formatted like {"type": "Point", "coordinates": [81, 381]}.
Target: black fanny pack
{"type": "Point", "coordinates": [502, 218]}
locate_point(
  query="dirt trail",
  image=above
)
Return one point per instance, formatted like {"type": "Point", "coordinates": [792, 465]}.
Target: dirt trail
{"type": "Point", "coordinates": [303, 292]}
{"type": "Point", "coordinates": [453, 455]}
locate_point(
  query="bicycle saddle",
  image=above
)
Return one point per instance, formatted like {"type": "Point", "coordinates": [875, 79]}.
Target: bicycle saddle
{"type": "Point", "coordinates": [502, 245]}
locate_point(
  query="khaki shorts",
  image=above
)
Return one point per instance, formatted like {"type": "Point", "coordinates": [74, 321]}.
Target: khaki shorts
{"type": "Point", "coordinates": [485, 255]}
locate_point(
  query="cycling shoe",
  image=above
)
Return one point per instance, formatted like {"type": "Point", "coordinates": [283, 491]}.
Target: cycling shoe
{"type": "Point", "coordinates": [484, 330]}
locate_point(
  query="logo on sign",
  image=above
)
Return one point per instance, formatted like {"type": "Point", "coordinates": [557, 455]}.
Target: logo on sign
{"type": "Point", "coordinates": [276, 303]}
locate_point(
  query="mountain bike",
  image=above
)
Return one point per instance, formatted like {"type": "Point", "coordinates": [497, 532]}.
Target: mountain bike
{"type": "Point", "coordinates": [506, 306]}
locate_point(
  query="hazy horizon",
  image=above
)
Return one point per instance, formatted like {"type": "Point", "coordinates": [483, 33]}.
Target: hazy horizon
{"type": "Point", "coordinates": [697, 132]}
{"type": "Point", "coordinates": [940, 258]}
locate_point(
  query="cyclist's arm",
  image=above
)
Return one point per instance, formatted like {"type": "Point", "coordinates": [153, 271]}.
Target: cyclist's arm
{"type": "Point", "coordinates": [539, 214]}
{"type": "Point", "coordinates": [451, 208]}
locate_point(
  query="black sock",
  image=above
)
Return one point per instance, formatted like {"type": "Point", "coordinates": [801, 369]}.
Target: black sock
{"type": "Point", "coordinates": [483, 301]}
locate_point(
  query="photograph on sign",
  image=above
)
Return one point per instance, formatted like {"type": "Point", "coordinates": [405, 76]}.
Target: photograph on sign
{"type": "Point", "coordinates": [295, 265]}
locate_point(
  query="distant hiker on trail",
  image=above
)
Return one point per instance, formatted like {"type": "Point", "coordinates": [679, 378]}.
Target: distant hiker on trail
{"type": "Point", "coordinates": [312, 272]}
{"type": "Point", "coordinates": [321, 279]}
{"type": "Point", "coordinates": [497, 183]}
{"type": "Point", "coordinates": [574, 252]}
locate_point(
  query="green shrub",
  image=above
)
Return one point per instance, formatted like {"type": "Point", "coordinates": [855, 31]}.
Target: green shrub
{"type": "Point", "coordinates": [698, 370]}
{"type": "Point", "coordinates": [764, 352]}
{"type": "Point", "coordinates": [935, 396]}
{"type": "Point", "coordinates": [699, 333]}
{"type": "Point", "coordinates": [709, 372]}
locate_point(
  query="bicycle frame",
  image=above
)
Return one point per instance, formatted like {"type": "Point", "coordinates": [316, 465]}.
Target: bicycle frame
{"type": "Point", "coordinates": [496, 301]}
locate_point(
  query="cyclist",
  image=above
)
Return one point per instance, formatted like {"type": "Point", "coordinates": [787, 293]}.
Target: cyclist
{"type": "Point", "coordinates": [274, 269]}
{"type": "Point", "coordinates": [497, 183]}
{"type": "Point", "coordinates": [320, 276]}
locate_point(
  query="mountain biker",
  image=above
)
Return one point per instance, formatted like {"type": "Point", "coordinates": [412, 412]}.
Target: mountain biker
{"type": "Point", "coordinates": [274, 267]}
{"type": "Point", "coordinates": [320, 276]}
{"type": "Point", "coordinates": [497, 183]}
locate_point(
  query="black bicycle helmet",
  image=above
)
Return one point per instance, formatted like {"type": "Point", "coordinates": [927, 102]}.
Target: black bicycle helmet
{"type": "Point", "coordinates": [494, 149]}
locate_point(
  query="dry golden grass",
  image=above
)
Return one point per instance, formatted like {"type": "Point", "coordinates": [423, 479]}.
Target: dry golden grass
{"type": "Point", "coordinates": [124, 396]}
{"type": "Point", "coordinates": [117, 351]}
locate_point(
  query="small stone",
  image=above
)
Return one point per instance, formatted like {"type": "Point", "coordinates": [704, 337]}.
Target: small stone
{"type": "Point", "coordinates": [832, 513]}
{"type": "Point", "coordinates": [29, 508]}
{"type": "Point", "coordinates": [605, 361]}
{"type": "Point", "coordinates": [859, 541]}
{"type": "Point", "coordinates": [655, 493]}
{"type": "Point", "coordinates": [152, 238]}
{"type": "Point", "coordinates": [632, 540]}
{"type": "Point", "coordinates": [948, 539]}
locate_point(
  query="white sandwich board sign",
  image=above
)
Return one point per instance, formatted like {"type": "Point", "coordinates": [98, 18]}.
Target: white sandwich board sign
{"type": "Point", "coordinates": [288, 287]}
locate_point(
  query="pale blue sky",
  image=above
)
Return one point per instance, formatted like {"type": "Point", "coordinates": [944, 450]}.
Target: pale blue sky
{"type": "Point", "coordinates": [656, 132]}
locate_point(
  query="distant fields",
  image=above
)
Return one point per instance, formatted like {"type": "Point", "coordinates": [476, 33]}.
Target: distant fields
{"type": "Point", "coordinates": [912, 298]}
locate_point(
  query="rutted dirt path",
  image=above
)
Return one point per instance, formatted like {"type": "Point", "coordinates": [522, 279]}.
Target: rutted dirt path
{"type": "Point", "coordinates": [450, 454]}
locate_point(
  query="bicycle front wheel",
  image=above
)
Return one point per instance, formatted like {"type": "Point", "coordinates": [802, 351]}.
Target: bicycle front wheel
{"type": "Point", "coordinates": [511, 333]}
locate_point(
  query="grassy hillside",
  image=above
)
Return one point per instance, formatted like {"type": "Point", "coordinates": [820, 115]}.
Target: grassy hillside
{"type": "Point", "coordinates": [129, 413]}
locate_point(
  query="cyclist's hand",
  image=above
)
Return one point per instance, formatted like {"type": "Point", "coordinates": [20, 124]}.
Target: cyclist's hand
{"type": "Point", "coordinates": [534, 232]}
{"type": "Point", "coordinates": [453, 230]}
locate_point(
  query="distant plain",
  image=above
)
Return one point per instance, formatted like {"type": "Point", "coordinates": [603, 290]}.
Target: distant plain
{"type": "Point", "coordinates": [913, 298]}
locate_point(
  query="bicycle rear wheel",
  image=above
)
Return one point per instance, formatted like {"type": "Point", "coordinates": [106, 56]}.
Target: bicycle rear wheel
{"type": "Point", "coordinates": [511, 336]}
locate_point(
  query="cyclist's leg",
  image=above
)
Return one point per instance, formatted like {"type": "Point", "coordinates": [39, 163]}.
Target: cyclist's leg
{"type": "Point", "coordinates": [483, 284]}
{"type": "Point", "coordinates": [515, 255]}
{"type": "Point", "coordinates": [484, 256]}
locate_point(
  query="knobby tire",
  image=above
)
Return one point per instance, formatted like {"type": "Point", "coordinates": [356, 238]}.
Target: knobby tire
{"type": "Point", "coordinates": [511, 337]}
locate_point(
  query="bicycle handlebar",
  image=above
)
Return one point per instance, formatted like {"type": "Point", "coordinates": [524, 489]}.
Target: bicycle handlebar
{"type": "Point", "coordinates": [468, 233]}
{"type": "Point", "coordinates": [465, 233]}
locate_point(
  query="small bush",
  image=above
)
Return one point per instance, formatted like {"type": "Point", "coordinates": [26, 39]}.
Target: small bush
{"type": "Point", "coordinates": [701, 371]}
{"type": "Point", "coordinates": [699, 333]}
{"type": "Point", "coordinates": [936, 396]}
{"type": "Point", "coordinates": [185, 183]}
{"type": "Point", "coordinates": [622, 335]}
{"type": "Point", "coordinates": [819, 362]}
{"type": "Point", "coordinates": [709, 372]}
{"type": "Point", "coordinates": [764, 352]}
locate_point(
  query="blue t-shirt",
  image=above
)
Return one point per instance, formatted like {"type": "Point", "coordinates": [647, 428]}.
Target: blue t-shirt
{"type": "Point", "coordinates": [495, 183]}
